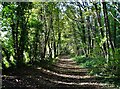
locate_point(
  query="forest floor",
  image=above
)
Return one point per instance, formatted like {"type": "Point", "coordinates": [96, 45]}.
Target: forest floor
{"type": "Point", "coordinates": [65, 73]}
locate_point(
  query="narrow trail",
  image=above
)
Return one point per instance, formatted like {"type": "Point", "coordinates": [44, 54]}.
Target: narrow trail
{"type": "Point", "coordinates": [65, 74]}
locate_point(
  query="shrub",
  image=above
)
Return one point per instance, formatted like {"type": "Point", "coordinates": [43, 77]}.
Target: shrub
{"type": "Point", "coordinates": [96, 65]}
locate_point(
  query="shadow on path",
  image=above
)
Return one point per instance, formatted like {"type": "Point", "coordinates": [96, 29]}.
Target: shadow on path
{"type": "Point", "coordinates": [64, 74]}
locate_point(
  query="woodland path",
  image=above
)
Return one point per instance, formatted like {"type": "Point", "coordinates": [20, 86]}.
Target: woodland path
{"type": "Point", "coordinates": [65, 74]}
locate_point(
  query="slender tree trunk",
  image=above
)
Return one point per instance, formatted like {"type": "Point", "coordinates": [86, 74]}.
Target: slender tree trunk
{"type": "Point", "coordinates": [47, 33]}
{"type": "Point", "coordinates": [14, 27]}
{"type": "Point", "coordinates": [50, 48]}
{"type": "Point", "coordinates": [41, 51]}
{"type": "Point", "coordinates": [89, 35]}
{"type": "Point", "coordinates": [115, 26]}
{"type": "Point", "coordinates": [59, 35]}
{"type": "Point", "coordinates": [46, 37]}
{"type": "Point", "coordinates": [53, 33]}
{"type": "Point", "coordinates": [83, 28]}
{"type": "Point", "coordinates": [75, 40]}
{"type": "Point", "coordinates": [101, 30]}
{"type": "Point", "coordinates": [107, 24]}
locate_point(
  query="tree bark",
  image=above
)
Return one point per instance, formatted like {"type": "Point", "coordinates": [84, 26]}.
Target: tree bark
{"type": "Point", "coordinates": [107, 24]}
{"type": "Point", "coordinates": [83, 28]}
{"type": "Point", "coordinates": [115, 26]}
{"type": "Point", "coordinates": [100, 24]}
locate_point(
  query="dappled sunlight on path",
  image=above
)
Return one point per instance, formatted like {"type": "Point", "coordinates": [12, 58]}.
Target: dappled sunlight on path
{"type": "Point", "coordinates": [65, 73]}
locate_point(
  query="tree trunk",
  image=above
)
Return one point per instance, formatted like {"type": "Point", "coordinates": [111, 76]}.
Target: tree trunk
{"type": "Point", "coordinates": [83, 28]}
{"type": "Point", "coordinates": [46, 36]}
{"type": "Point", "coordinates": [107, 25]}
{"type": "Point", "coordinates": [115, 26]}
{"type": "Point", "coordinates": [100, 25]}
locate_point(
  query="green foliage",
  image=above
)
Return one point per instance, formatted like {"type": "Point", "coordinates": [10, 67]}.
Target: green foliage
{"type": "Point", "coordinates": [90, 62]}
{"type": "Point", "coordinates": [10, 63]}
{"type": "Point", "coordinates": [34, 32]}
{"type": "Point", "coordinates": [14, 33]}
{"type": "Point", "coordinates": [99, 66]}
{"type": "Point", "coordinates": [34, 23]}
{"type": "Point", "coordinates": [26, 57]}
{"type": "Point", "coordinates": [96, 65]}
{"type": "Point", "coordinates": [6, 63]}
{"type": "Point", "coordinates": [113, 65]}
{"type": "Point", "coordinates": [103, 41]}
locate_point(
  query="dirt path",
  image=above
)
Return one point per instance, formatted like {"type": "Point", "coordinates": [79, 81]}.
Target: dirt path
{"type": "Point", "coordinates": [64, 74]}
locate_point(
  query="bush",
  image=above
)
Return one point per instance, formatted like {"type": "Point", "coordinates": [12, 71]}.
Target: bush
{"type": "Point", "coordinates": [96, 65]}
